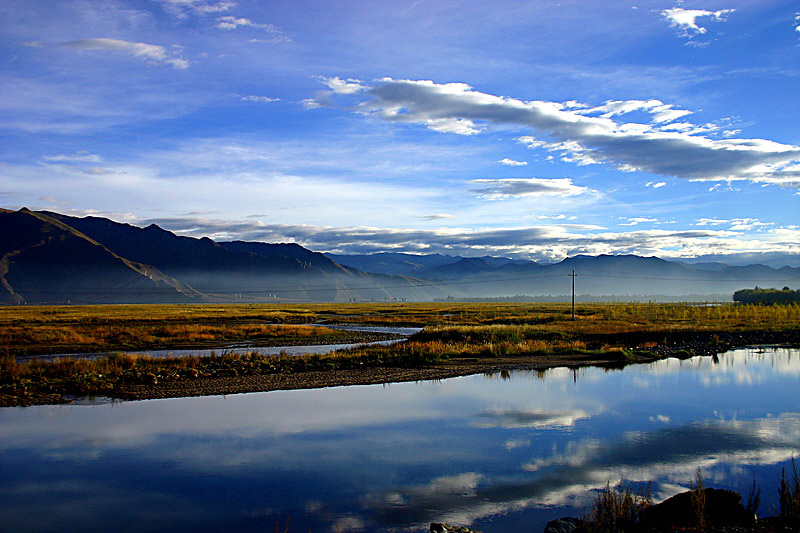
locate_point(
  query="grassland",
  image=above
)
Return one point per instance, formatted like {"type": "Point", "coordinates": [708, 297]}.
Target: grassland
{"type": "Point", "coordinates": [458, 339]}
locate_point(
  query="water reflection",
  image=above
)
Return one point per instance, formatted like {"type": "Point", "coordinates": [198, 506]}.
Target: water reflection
{"type": "Point", "coordinates": [500, 454]}
{"type": "Point", "coordinates": [241, 349]}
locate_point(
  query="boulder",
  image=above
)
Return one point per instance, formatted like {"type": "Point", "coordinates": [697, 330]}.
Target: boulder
{"type": "Point", "coordinates": [722, 508]}
{"type": "Point", "coordinates": [447, 528]}
{"type": "Point", "coordinates": [567, 524]}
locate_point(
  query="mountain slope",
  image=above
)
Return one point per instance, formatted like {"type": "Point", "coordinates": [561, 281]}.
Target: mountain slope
{"type": "Point", "coordinates": [53, 258]}
{"type": "Point", "coordinates": [43, 260]}
{"type": "Point", "coordinates": [394, 263]}
{"type": "Point", "coordinates": [242, 271]}
{"type": "Point", "coordinates": [361, 285]}
{"type": "Point", "coordinates": [604, 275]}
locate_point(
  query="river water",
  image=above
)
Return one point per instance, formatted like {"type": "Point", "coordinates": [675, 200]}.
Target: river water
{"type": "Point", "coordinates": [506, 452]}
{"type": "Point", "coordinates": [248, 347]}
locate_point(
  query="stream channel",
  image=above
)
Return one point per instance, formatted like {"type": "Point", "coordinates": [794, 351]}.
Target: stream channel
{"type": "Point", "coordinates": [501, 452]}
{"type": "Point", "coordinates": [245, 347]}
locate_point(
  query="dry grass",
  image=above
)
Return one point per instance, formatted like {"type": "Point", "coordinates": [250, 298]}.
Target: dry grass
{"type": "Point", "coordinates": [615, 510]}
{"type": "Point", "coordinates": [617, 332]}
{"type": "Point", "coordinates": [467, 328]}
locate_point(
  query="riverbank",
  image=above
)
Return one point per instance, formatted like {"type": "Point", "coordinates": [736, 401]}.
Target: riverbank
{"type": "Point", "coordinates": [130, 378]}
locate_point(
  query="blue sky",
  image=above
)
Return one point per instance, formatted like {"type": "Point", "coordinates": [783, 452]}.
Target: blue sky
{"type": "Point", "coordinates": [531, 129]}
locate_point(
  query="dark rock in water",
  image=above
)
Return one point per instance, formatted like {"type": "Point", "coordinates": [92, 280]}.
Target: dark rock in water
{"type": "Point", "coordinates": [567, 524]}
{"type": "Point", "coordinates": [447, 528]}
{"type": "Point", "coordinates": [722, 508]}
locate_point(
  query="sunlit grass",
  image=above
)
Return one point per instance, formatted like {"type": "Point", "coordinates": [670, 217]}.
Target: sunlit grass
{"type": "Point", "coordinates": [453, 331]}
{"type": "Point", "coordinates": [130, 327]}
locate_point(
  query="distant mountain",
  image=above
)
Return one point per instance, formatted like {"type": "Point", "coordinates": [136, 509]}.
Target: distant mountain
{"type": "Point", "coordinates": [202, 263]}
{"type": "Point", "coordinates": [469, 266]}
{"type": "Point", "coordinates": [394, 263]}
{"type": "Point", "coordinates": [604, 275]}
{"type": "Point", "coordinates": [234, 271]}
{"type": "Point", "coordinates": [53, 258]}
{"type": "Point", "coordinates": [43, 260]}
{"type": "Point", "coordinates": [712, 265]}
{"type": "Point", "coordinates": [361, 285]}
{"type": "Point", "coordinates": [304, 256]}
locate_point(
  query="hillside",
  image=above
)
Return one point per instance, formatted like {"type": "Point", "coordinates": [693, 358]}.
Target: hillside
{"type": "Point", "coordinates": [48, 257]}
{"type": "Point", "coordinates": [43, 260]}
{"type": "Point", "coordinates": [58, 269]}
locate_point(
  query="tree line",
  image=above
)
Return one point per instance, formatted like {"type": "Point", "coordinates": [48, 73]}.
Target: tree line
{"type": "Point", "coordinates": [767, 296]}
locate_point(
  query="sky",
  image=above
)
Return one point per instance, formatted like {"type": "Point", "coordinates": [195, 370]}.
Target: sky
{"type": "Point", "coordinates": [527, 129]}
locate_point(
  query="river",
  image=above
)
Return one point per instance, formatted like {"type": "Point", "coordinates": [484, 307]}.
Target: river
{"type": "Point", "coordinates": [505, 452]}
{"type": "Point", "coordinates": [249, 347]}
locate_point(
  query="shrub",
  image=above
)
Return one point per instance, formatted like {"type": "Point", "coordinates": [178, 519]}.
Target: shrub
{"type": "Point", "coordinates": [615, 510]}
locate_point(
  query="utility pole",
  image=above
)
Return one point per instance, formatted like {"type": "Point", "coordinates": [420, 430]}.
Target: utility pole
{"type": "Point", "coordinates": [573, 275]}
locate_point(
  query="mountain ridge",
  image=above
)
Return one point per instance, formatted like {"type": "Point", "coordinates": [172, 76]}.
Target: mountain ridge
{"type": "Point", "coordinates": [47, 257]}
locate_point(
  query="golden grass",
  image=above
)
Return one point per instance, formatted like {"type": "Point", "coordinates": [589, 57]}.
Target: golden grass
{"type": "Point", "coordinates": [521, 326]}
{"type": "Point", "coordinates": [452, 330]}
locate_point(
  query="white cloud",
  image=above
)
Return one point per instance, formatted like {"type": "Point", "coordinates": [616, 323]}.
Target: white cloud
{"type": "Point", "coordinates": [310, 103]}
{"type": "Point", "coordinates": [438, 216]}
{"type": "Point", "coordinates": [258, 99]}
{"type": "Point", "coordinates": [711, 221]}
{"type": "Point", "coordinates": [544, 242]}
{"type": "Point", "coordinates": [685, 20]}
{"type": "Point", "coordinates": [200, 7]}
{"type": "Point", "coordinates": [81, 156]}
{"type": "Point", "coordinates": [149, 53]}
{"type": "Point", "coordinates": [637, 220]}
{"type": "Point", "coordinates": [582, 138]}
{"type": "Point", "coordinates": [665, 113]}
{"type": "Point", "coordinates": [98, 171]}
{"type": "Point", "coordinates": [655, 185]}
{"type": "Point", "coordinates": [512, 163]}
{"type": "Point", "coordinates": [623, 107]}
{"type": "Point", "coordinates": [797, 23]}
{"type": "Point", "coordinates": [660, 111]}
{"type": "Point", "coordinates": [340, 86]}
{"type": "Point", "coordinates": [512, 187]}
{"type": "Point", "coordinates": [230, 23]}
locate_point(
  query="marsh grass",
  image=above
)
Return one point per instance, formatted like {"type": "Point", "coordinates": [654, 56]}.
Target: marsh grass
{"type": "Point", "coordinates": [117, 372]}
{"type": "Point", "coordinates": [698, 499]}
{"type": "Point", "coordinates": [789, 494]}
{"type": "Point", "coordinates": [617, 510]}
{"type": "Point", "coordinates": [617, 333]}
{"type": "Point", "coordinates": [31, 331]}
{"type": "Point", "coordinates": [35, 330]}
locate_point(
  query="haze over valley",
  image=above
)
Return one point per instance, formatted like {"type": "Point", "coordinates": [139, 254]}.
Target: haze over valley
{"type": "Point", "coordinates": [53, 258]}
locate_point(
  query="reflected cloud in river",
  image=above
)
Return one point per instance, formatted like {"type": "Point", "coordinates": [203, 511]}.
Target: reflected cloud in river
{"type": "Point", "coordinates": [497, 453]}
{"type": "Point", "coordinates": [668, 457]}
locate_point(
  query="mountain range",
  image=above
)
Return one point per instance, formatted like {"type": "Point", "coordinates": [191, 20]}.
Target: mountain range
{"type": "Point", "coordinates": [47, 257]}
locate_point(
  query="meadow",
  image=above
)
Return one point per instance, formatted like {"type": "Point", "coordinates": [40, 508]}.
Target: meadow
{"type": "Point", "coordinates": [478, 334]}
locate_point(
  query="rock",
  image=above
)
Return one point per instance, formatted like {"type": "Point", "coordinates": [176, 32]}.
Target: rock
{"type": "Point", "coordinates": [567, 524]}
{"type": "Point", "coordinates": [723, 508]}
{"type": "Point", "coordinates": [447, 528]}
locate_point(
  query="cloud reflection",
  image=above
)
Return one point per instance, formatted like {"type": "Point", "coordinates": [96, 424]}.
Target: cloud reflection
{"type": "Point", "coordinates": [669, 456]}
{"type": "Point", "coordinates": [534, 418]}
